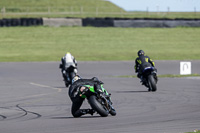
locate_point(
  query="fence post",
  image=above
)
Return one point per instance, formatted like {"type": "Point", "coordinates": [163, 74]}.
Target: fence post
{"type": "Point", "coordinates": [147, 12]}
{"type": "Point", "coordinates": [168, 10]}
{"type": "Point", "coordinates": [72, 10]}
{"type": "Point", "coordinates": [3, 12]}
{"type": "Point", "coordinates": [27, 10]}
{"type": "Point", "coordinates": [49, 10]}
{"type": "Point", "coordinates": [81, 10]}
{"type": "Point", "coordinates": [121, 12]}
{"type": "Point", "coordinates": [158, 12]}
{"type": "Point", "coordinates": [97, 11]}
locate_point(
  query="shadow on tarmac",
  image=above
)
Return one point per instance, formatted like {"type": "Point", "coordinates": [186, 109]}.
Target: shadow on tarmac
{"type": "Point", "coordinates": [130, 91]}
{"type": "Point", "coordinates": [74, 117]}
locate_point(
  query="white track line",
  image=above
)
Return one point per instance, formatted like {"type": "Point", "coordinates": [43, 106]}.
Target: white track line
{"type": "Point", "coordinates": [45, 86]}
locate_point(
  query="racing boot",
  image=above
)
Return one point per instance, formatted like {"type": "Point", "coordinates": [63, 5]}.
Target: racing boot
{"type": "Point", "coordinates": [66, 83]}
{"type": "Point", "coordinates": [87, 111]}
{"type": "Point", "coordinates": [65, 79]}
{"type": "Point", "coordinates": [90, 111]}
{"type": "Point", "coordinates": [142, 80]}
{"type": "Point", "coordinates": [97, 88]}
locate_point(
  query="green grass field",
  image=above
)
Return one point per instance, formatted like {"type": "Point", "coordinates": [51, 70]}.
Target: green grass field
{"type": "Point", "coordinates": [56, 3]}
{"type": "Point", "coordinates": [56, 8]}
{"type": "Point", "coordinates": [78, 8]}
{"type": "Point", "coordinates": [90, 44]}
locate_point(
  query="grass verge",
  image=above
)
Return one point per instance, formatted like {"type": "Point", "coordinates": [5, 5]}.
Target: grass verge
{"type": "Point", "coordinates": [96, 44]}
{"type": "Point", "coordinates": [195, 131]}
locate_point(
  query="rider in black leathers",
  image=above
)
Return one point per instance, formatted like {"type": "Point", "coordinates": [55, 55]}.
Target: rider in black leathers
{"type": "Point", "coordinates": [141, 62]}
{"type": "Point", "coordinates": [75, 91]}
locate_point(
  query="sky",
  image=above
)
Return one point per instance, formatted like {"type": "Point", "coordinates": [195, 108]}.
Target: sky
{"type": "Point", "coordinates": [159, 5]}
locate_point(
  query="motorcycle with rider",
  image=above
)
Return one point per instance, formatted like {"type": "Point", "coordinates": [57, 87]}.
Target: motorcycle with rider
{"type": "Point", "coordinates": [145, 67]}
{"type": "Point", "coordinates": [68, 68]}
{"type": "Point", "coordinates": [96, 95]}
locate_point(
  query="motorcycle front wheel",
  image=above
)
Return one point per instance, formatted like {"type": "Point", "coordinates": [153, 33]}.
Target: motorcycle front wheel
{"type": "Point", "coordinates": [96, 105]}
{"type": "Point", "coordinates": [113, 112]}
{"type": "Point", "coordinates": [152, 83]}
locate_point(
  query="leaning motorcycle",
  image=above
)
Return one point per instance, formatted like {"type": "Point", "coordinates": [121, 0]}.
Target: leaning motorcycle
{"type": "Point", "coordinates": [99, 100]}
{"type": "Point", "coordinates": [69, 73]}
{"type": "Point", "coordinates": [149, 78]}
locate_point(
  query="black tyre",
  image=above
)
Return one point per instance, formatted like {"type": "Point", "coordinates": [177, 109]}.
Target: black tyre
{"type": "Point", "coordinates": [96, 105]}
{"type": "Point", "coordinates": [152, 83]}
{"type": "Point", "coordinates": [72, 75]}
{"type": "Point", "coordinates": [113, 112]}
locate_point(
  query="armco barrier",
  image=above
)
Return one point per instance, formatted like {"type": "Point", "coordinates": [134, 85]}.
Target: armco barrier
{"type": "Point", "coordinates": [98, 22]}
{"type": "Point", "coordinates": [62, 22]}
{"type": "Point", "coordinates": [137, 23]}
{"type": "Point", "coordinates": [156, 23]}
{"type": "Point", "coordinates": [186, 23]}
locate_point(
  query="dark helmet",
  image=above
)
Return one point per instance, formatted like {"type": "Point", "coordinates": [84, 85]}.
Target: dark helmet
{"type": "Point", "coordinates": [140, 52]}
{"type": "Point", "coordinates": [97, 80]}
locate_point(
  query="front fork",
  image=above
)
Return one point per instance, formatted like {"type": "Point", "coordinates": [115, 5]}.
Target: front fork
{"type": "Point", "coordinates": [106, 102]}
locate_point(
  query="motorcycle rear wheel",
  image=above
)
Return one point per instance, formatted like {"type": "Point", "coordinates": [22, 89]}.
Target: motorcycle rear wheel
{"type": "Point", "coordinates": [152, 83]}
{"type": "Point", "coordinates": [96, 105]}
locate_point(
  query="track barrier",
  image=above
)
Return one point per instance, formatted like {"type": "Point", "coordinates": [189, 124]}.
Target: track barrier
{"type": "Point", "coordinates": [101, 22]}
{"type": "Point", "coordinates": [21, 22]}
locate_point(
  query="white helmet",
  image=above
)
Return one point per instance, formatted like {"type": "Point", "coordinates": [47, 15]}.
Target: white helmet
{"type": "Point", "coordinates": [68, 57]}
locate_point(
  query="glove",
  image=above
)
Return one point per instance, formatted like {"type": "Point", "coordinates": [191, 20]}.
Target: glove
{"type": "Point", "coordinates": [60, 66]}
{"type": "Point", "coordinates": [64, 72]}
{"type": "Point", "coordinates": [83, 90]}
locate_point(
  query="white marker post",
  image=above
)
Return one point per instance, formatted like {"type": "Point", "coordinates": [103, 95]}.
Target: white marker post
{"type": "Point", "coordinates": [185, 68]}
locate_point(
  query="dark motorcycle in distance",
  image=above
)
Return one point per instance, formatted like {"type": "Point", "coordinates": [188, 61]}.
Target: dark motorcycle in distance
{"type": "Point", "coordinates": [69, 73]}
{"type": "Point", "coordinates": [149, 78]}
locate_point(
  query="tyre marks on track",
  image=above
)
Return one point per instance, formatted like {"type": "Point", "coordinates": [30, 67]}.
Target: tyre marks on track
{"type": "Point", "coordinates": [26, 112]}
{"type": "Point", "coordinates": [17, 112]}
{"type": "Point", "coordinates": [2, 117]}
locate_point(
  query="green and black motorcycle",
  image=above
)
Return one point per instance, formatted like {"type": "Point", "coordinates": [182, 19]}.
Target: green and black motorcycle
{"type": "Point", "coordinates": [99, 100]}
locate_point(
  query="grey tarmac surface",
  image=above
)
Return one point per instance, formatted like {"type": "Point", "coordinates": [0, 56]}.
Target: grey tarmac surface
{"type": "Point", "coordinates": [34, 99]}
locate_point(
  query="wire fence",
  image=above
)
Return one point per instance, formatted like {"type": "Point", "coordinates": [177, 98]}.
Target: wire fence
{"type": "Point", "coordinates": [7, 12]}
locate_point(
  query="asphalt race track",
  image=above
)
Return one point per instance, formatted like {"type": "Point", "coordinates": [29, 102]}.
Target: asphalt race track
{"type": "Point", "coordinates": [33, 99]}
